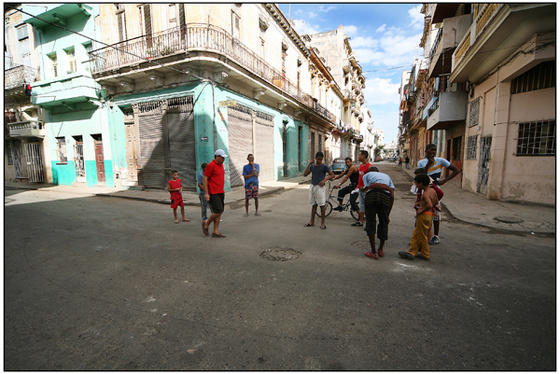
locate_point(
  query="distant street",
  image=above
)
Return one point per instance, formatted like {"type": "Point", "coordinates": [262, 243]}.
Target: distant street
{"type": "Point", "coordinates": [113, 284]}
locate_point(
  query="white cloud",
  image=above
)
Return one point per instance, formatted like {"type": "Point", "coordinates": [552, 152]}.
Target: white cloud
{"type": "Point", "coordinates": [361, 42]}
{"type": "Point", "coordinates": [303, 27]}
{"type": "Point", "coordinates": [350, 30]}
{"type": "Point", "coordinates": [380, 91]}
{"type": "Point", "coordinates": [381, 28]}
{"type": "Point", "coordinates": [326, 9]}
{"type": "Point", "coordinates": [416, 18]}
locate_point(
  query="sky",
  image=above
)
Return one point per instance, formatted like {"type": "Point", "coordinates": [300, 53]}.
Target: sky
{"type": "Point", "coordinates": [384, 39]}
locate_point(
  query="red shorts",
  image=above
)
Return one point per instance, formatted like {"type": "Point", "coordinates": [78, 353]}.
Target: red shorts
{"type": "Point", "coordinates": [177, 202]}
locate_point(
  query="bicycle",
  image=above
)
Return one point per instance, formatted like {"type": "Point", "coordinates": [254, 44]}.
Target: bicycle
{"type": "Point", "coordinates": [333, 200]}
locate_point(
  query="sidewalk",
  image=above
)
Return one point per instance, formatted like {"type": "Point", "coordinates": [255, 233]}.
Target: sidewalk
{"type": "Point", "coordinates": [478, 210]}
{"type": "Point", "coordinates": [190, 198]}
{"type": "Point", "coordinates": [462, 205]}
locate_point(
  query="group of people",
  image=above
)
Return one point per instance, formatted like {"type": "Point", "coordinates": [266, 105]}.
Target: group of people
{"type": "Point", "coordinates": [374, 191]}
{"type": "Point", "coordinates": [212, 194]}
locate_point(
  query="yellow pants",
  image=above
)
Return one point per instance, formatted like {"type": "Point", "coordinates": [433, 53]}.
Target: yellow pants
{"type": "Point", "coordinates": [419, 237]}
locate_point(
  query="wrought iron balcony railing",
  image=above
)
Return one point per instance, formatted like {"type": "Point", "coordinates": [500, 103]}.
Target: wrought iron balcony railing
{"type": "Point", "coordinates": [197, 37]}
{"type": "Point", "coordinates": [18, 76]}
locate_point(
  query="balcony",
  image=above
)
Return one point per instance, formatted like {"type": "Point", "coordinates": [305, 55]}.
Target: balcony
{"type": "Point", "coordinates": [18, 76]}
{"type": "Point", "coordinates": [179, 47]}
{"type": "Point", "coordinates": [449, 35]}
{"type": "Point", "coordinates": [67, 93]}
{"type": "Point", "coordinates": [54, 14]}
{"type": "Point", "coordinates": [447, 110]}
{"type": "Point", "coordinates": [441, 11]}
{"type": "Point", "coordinates": [26, 129]}
{"type": "Point", "coordinates": [496, 33]}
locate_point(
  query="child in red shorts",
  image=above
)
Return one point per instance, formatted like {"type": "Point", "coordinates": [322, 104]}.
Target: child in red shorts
{"type": "Point", "coordinates": [175, 188]}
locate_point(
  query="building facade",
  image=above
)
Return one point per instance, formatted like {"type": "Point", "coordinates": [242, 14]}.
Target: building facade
{"type": "Point", "coordinates": [24, 130]}
{"type": "Point", "coordinates": [131, 91]}
{"type": "Point", "coordinates": [493, 82]}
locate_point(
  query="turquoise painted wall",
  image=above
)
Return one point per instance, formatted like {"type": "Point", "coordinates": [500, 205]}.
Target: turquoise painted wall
{"type": "Point", "coordinates": [84, 124]}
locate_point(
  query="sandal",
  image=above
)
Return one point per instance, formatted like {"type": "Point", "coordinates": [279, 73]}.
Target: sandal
{"type": "Point", "coordinates": [323, 227]}
{"type": "Point", "coordinates": [308, 225]}
{"type": "Point", "coordinates": [372, 255]}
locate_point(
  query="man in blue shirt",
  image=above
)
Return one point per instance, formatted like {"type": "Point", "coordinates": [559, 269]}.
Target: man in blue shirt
{"type": "Point", "coordinates": [251, 174]}
{"type": "Point", "coordinates": [380, 196]}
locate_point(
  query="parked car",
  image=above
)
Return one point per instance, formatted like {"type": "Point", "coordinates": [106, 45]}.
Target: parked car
{"type": "Point", "coordinates": [338, 165]}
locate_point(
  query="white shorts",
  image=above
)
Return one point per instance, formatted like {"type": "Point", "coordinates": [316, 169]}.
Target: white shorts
{"type": "Point", "coordinates": [362, 201]}
{"type": "Point", "coordinates": [436, 215]}
{"type": "Point", "coordinates": [317, 195]}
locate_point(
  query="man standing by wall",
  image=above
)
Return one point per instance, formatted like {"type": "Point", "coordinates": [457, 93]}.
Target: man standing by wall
{"type": "Point", "coordinates": [251, 174]}
{"type": "Point", "coordinates": [213, 182]}
{"type": "Point", "coordinates": [434, 168]}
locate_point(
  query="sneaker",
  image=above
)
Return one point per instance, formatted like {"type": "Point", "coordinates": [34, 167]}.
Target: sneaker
{"type": "Point", "coordinates": [434, 240]}
{"type": "Point", "coordinates": [419, 256]}
{"type": "Point", "coordinates": [357, 223]}
{"type": "Point", "coordinates": [406, 255]}
{"type": "Point", "coordinates": [371, 255]}
{"type": "Point", "coordinates": [339, 208]}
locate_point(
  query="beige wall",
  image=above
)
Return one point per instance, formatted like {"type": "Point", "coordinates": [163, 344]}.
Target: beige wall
{"type": "Point", "coordinates": [511, 177]}
{"type": "Point", "coordinates": [529, 178]}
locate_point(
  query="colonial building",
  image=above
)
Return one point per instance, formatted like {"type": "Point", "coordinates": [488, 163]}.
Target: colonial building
{"type": "Point", "coordinates": [24, 130]}
{"type": "Point", "coordinates": [131, 91]}
{"type": "Point", "coordinates": [82, 145]}
{"type": "Point", "coordinates": [490, 88]}
{"type": "Point", "coordinates": [335, 47]}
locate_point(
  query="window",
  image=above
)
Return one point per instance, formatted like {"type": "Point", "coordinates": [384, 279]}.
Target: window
{"type": "Point", "coordinates": [473, 114]}
{"type": "Point", "coordinates": [471, 147]}
{"type": "Point", "coordinates": [62, 149]}
{"type": "Point", "coordinates": [22, 32]}
{"type": "Point", "coordinates": [235, 25]}
{"type": "Point", "coordinates": [71, 54]}
{"type": "Point", "coordinates": [541, 76]}
{"type": "Point", "coordinates": [145, 16]}
{"type": "Point", "coordinates": [121, 22]}
{"type": "Point", "coordinates": [537, 138]}
{"type": "Point", "coordinates": [54, 64]}
{"type": "Point", "coordinates": [457, 148]}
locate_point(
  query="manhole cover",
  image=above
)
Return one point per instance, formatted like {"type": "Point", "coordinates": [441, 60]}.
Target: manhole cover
{"type": "Point", "coordinates": [280, 254]}
{"type": "Point", "coordinates": [361, 244]}
{"type": "Point", "coordinates": [508, 219]}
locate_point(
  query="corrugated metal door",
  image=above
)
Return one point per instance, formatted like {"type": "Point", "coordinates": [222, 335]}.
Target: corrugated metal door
{"type": "Point", "coordinates": [152, 151]}
{"type": "Point", "coordinates": [180, 122]}
{"type": "Point", "coordinates": [264, 145]}
{"type": "Point", "coordinates": [240, 136]}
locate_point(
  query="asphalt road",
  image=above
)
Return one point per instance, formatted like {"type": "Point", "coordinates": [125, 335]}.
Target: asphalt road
{"type": "Point", "coordinates": [93, 283]}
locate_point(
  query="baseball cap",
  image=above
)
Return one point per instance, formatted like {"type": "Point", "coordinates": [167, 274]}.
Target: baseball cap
{"type": "Point", "coordinates": [220, 152]}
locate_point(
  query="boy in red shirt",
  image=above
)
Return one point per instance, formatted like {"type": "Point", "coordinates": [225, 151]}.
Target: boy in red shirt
{"type": "Point", "coordinates": [175, 188]}
{"type": "Point", "coordinates": [213, 183]}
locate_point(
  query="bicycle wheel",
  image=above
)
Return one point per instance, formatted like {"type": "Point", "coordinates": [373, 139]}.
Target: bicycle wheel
{"type": "Point", "coordinates": [328, 209]}
{"type": "Point", "coordinates": [354, 214]}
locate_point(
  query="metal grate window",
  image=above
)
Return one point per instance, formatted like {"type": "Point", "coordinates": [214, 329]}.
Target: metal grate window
{"type": "Point", "coordinates": [62, 149]}
{"type": "Point", "coordinates": [537, 138]}
{"type": "Point", "coordinates": [541, 76]}
{"type": "Point", "coordinates": [473, 114]}
{"type": "Point", "coordinates": [471, 147]}
{"type": "Point", "coordinates": [457, 148]}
